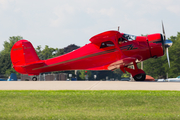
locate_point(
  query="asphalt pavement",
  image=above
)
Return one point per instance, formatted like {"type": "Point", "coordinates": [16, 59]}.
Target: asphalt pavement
{"type": "Point", "coordinates": [87, 85]}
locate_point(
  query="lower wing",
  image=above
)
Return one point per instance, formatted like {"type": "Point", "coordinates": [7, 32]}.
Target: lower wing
{"type": "Point", "coordinates": [116, 65]}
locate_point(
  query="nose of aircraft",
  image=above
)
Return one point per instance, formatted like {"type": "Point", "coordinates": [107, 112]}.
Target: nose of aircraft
{"type": "Point", "coordinates": [168, 43]}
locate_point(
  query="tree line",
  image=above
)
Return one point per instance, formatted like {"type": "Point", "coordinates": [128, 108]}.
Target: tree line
{"type": "Point", "coordinates": [157, 68]}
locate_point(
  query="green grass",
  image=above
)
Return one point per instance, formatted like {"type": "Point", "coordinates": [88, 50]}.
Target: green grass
{"type": "Point", "coordinates": [89, 105]}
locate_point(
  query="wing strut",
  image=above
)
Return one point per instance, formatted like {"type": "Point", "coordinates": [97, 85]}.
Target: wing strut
{"type": "Point", "coordinates": [115, 41]}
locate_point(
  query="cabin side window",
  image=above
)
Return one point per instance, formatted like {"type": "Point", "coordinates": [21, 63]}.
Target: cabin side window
{"type": "Point", "coordinates": [106, 44]}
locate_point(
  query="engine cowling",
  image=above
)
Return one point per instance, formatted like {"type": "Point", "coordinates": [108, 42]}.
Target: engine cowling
{"type": "Point", "coordinates": [156, 45]}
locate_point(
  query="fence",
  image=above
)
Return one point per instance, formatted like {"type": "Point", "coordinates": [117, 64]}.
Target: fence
{"type": "Point", "coordinates": [2, 76]}
{"type": "Point", "coordinates": [46, 77]}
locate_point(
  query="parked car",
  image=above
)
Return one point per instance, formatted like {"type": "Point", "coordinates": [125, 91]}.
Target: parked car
{"type": "Point", "coordinates": [125, 79]}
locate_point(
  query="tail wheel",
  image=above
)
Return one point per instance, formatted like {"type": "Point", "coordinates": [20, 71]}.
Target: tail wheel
{"type": "Point", "coordinates": [140, 77]}
{"type": "Point", "coordinates": [34, 79]}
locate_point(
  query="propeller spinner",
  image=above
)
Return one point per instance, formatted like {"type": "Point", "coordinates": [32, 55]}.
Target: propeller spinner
{"type": "Point", "coordinates": [167, 44]}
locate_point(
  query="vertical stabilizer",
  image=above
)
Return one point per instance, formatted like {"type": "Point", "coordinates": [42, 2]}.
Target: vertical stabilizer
{"type": "Point", "coordinates": [23, 53]}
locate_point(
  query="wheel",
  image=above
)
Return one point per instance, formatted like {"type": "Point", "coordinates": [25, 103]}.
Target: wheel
{"type": "Point", "coordinates": [140, 77]}
{"type": "Point", "coordinates": [34, 79]}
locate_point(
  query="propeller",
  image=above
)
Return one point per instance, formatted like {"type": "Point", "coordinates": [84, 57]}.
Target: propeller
{"type": "Point", "coordinates": [167, 54]}
{"type": "Point", "coordinates": [167, 44]}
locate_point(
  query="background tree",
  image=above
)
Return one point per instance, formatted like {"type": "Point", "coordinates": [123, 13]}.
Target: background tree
{"type": "Point", "coordinates": [83, 73]}
{"type": "Point", "coordinates": [47, 53]}
{"type": "Point", "coordinates": [117, 74]}
{"type": "Point", "coordinates": [155, 67]}
{"type": "Point", "coordinates": [174, 54]}
{"type": "Point", "coordinates": [5, 60]}
{"type": "Point", "coordinates": [8, 44]}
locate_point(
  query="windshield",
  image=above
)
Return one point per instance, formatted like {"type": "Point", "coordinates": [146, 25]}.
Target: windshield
{"type": "Point", "coordinates": [129, 37]}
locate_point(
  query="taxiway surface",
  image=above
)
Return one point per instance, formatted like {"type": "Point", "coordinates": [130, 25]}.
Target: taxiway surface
{"type": "Point", "coordinates": [88, 85]}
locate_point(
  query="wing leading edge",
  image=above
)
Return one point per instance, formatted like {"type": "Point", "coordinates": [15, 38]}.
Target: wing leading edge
{"type": "Point", "coordinates": [117, 64]}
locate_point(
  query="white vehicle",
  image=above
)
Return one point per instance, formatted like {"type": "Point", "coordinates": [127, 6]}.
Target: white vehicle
{"type": "Point", "coordinates": [169, 80]}
{"type": "Point", "coordinates": [173, 80]}
{"type": "Point", "coordinates": [161, 80]}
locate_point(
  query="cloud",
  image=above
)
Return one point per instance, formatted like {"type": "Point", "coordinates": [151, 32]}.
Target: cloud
{"type": "Point", "coordinates": [77, 20]}
{"type": "Point", "coordinates": [4, 4]}
{"type": "Point", "coordinates": [174, 9]}
{"type": "Point", "coordinates": [109, 12]}
{"type": "Point", "coordinates": [62, 14]}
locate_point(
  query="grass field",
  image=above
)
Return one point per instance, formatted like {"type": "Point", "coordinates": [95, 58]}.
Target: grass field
{"type": "Point", "coordinates": [89, 105]}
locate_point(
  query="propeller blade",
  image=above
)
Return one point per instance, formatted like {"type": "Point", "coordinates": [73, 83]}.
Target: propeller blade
{"type": "Point", "coordinates": [167, 53]}
{"type": "Point", "coordinates": [163, 31]}
{"type": "Point", "coordinates": [167, 44]}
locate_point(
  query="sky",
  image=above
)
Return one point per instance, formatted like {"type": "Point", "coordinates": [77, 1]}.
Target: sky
{"type": "Point", "coordinates": [59, 23]}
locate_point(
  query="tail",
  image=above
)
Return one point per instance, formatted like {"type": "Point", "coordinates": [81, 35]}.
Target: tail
{"type": "Point", "coordinates": [24, 58]}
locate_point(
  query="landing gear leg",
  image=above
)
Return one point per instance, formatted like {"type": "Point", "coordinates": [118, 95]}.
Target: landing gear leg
{"type": "Point", "coordinates": [138, 74]}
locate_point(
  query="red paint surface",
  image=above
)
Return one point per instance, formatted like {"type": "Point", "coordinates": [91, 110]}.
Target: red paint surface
{"type": "Point", "coordinates": [91, 56]}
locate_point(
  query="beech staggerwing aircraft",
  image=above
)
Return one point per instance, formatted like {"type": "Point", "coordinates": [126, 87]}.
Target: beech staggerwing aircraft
{"type": "Point", "coordinates": [109, 50]}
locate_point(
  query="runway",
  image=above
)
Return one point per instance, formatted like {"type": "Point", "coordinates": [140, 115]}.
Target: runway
{"type": "Point", "coordinates": [88, 85]}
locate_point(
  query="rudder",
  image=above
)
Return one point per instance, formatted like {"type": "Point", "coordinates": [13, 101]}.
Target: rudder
{"type": "Point", "coordinates": [23, 53]}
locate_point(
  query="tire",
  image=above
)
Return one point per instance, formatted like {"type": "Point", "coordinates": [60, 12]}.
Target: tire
{"type": "Point", "coordinates": [140, 77]}
{"type": "Point", "coordinates": [34, 79]}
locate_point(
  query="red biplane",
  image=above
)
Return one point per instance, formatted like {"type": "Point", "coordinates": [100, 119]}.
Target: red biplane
{"type": "Point", "coordinates": [106, 51]}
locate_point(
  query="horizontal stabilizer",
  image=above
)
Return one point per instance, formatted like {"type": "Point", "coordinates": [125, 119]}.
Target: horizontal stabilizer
{"type": "Point", "coordinates": [33, 65]}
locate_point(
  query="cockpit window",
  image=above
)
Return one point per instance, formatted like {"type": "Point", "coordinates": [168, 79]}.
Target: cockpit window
{"type": "Point", "coordinates": [107, 44]}
{"type": "Point", "coordinates": [129, 37]}
{"type": "Point", "coordinates": [121, 40]}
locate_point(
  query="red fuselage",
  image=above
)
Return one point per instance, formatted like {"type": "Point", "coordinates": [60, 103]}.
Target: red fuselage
{"type": "Point", "coordinates": [107, 51]}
